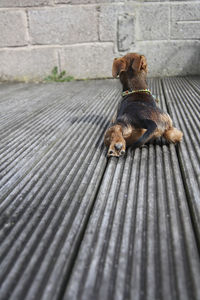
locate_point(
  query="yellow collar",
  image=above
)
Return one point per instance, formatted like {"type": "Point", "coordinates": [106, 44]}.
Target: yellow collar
{"type": "Point", "coordinates": [125, 93]}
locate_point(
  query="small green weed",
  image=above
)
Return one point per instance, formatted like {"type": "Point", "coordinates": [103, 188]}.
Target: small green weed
{"type": "Point", "coordinates": [58, 77]}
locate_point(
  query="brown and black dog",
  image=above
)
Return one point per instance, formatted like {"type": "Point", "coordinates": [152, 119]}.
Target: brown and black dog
{"type": "Point", "coordinates": [138, 119]}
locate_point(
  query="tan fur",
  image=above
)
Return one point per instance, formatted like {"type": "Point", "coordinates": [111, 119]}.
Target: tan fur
{"type": "Point", "coordinates": [173, 135]}
{"type": "Point", "coordinates": [132, 134]}
{"type": "Point", "coordinates": [112, 137]}
{"type": "Point", "coordinates": [165, 118]}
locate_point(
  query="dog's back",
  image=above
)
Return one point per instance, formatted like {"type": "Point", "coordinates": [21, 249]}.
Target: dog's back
{"type": "Point", "coordinates": [140, 112]}
{"type": "Point", "coordinates": [133, 109]}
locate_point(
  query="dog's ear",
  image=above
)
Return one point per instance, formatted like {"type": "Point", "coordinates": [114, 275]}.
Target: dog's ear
{"type": "Point", "coordinates": [143, 62]}
{"type": "Point", "coordinates": [139, 63]}
{"type": "Point", "coordinates": [119, 65]}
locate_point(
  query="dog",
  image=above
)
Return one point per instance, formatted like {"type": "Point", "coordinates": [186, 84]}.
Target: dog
{"type": "Point", "coordinates": [138, 118]}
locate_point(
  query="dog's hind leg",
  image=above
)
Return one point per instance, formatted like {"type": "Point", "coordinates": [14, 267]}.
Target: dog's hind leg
{"type": "Point", "coordinates": [151, 127]}
{"type": "Point", "coordinates": [173, 135]}
{"type": "Point", "coordinates": [115, 141]}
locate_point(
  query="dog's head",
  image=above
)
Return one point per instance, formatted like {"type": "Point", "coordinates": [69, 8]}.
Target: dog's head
{"type": "Point", "coordinates": [130, 65]}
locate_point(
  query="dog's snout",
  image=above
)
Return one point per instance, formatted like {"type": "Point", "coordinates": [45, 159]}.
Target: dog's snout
{"type": "Point", "coordinates": [118, 146]}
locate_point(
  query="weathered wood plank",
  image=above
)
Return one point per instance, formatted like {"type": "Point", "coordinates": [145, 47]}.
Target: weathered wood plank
{"type": "Point", "coordinates": [75, 225]}
{"type": "Point", "coordinates": [183, 101]}
{"type": "Point", "coordinates": [139, 243]}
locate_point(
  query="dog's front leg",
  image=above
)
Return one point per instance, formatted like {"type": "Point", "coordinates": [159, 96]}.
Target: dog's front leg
{"type": "Point", "coordinates": [115, 141]}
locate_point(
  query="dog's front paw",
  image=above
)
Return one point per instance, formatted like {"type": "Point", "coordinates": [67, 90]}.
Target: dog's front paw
{"type": "Point", "coordinates": [116, 150]}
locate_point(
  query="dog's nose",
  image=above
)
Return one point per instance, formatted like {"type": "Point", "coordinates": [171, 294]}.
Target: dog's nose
{"type": "Point", "coordinates": [118, 146]}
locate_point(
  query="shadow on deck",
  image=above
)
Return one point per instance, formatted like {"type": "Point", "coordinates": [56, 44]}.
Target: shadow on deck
{"type": "Point", "coordinates": [75, 225]}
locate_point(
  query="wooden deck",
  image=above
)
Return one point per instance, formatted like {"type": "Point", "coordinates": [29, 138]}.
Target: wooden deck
{"type": "Point", "coordinates": [75, 225]}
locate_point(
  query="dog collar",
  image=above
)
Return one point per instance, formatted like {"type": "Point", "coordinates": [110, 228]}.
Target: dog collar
{"type": "Point", "coordinates": [125, 93]}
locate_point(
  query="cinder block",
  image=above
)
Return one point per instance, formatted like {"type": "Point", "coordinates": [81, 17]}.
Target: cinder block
{"type": "Point", "coordinates": [171, 58]}
{"type": "Point", "coordinates": [13, 28]}
{"type": "Point", "coordinates": [185, 11]}
{"type": "Point", "coordinates": [88, 60]}
{"type": "Point", "coordinates": [85, 1]}
{"type": "Point", "coordinates": [156, 0]}
{"type": "Point", "coordinates": [24, 3]}
{"type": "Point", "coordinates": [108, 21]}
{"type": "Point", "coordinates": [126, 32]}
{"type": "Point", "coordinates": [25, 64]}
{"type": "Point", "coordinates": [153, 22]}
{"type": "Point", "coordinates": [70, 25]}
{"type": "Point", "coordinates": [185, 18]}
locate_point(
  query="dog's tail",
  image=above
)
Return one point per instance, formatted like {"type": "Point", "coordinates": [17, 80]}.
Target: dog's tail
{"type": "Point", "coordinates": [151, 126]}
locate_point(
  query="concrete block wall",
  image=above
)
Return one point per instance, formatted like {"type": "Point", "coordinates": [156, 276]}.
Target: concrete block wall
{"type": "Point", "coordinates": [83, 36]}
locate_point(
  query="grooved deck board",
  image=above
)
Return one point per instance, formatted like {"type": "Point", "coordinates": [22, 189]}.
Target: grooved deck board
{"type": "Point", "coordinates": [183, 100]}
{"type": "Point", "coordinates": [139, 243]}
{"type": "Point", "coordinates": [76, 225]}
